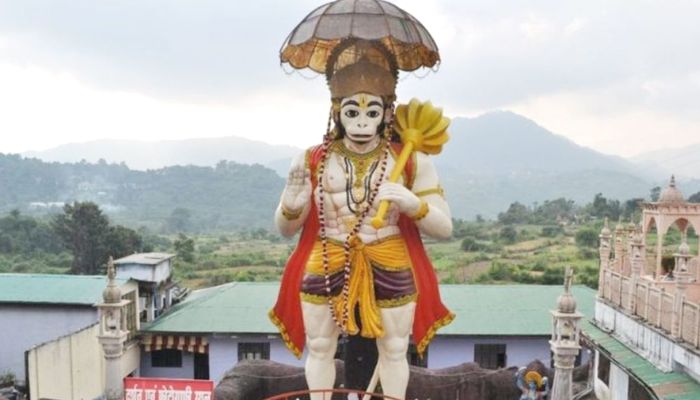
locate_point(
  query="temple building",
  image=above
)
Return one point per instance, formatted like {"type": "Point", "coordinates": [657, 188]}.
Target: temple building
{"type": "Point", "coordinates": [496, 326]}
{"type": "Point", "coordinates": [60, 327]}
{"type": "Point", "coordinates": [646, 330]}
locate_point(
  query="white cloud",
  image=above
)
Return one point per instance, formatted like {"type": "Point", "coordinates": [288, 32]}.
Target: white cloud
{"type": "Point", "coordinates": [42, 109]}
{"type": "Point", "coordinates": [622, 77]}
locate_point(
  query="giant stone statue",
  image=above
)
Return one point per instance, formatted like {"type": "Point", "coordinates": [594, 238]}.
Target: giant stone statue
{"type": "Point", "coordinates": [361, 199]}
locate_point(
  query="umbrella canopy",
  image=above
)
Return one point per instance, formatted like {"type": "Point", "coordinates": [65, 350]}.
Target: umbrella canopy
{"type": "Point", "coordinates": [310, 44]}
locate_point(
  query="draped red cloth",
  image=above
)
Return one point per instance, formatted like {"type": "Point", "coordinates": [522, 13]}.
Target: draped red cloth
{"type": "Point", "coordinates": [430, 313]}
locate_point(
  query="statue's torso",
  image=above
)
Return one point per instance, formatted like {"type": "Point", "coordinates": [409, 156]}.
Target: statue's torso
{"type": "Point", "coordinates": [348, 181]}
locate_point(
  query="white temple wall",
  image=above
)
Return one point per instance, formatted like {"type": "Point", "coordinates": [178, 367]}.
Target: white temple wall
{"type": "Point", "coordinates": [619, 383]}
{"type": "Point", "coordinates": [649, 342]}
{"type": "Point", "coordinates": [71, 367]}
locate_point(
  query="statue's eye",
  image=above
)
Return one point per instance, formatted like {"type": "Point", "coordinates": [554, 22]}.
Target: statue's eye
{"type": "Point", "coordinates": [373, 113]}
{"type": "Point", "coordinates": [352, 113]}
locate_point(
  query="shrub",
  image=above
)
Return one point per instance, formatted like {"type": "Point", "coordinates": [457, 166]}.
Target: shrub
{"type": "Point", "coordinates": [508, 234]}
{"type": "Point", "coordinates": [552, 231]}
{"type": "Point", "coordinates": [587, 237]}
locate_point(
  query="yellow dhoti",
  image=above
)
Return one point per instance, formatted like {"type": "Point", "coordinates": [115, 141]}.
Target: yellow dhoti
{"type": "Point", "coordinates": [380, 276]}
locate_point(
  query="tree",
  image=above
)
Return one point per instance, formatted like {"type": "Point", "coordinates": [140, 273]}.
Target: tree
{"type": "Point", "coordinates": [84, 230]}
{"type": "Point", "coordinates": [603, 207]}
{"type": "Point", "coordinates": [587, 237]}
{"type": "Point", "coordinates": [180, 220]}
{"type": "Point", "coordinates": [552, 210]}
{"type": "Point", "coordinates": [122, 241]}
{"type": "Point", "coordinates": [655, 193]}
{"type": "Point", "coordinates": [694, 198]}
{"type": "Point", "coordinates": [631, 209]}
{"type": "Point", "coordinates": [184, 247]}
{"type": "Point", "coordinates": [517, 213]}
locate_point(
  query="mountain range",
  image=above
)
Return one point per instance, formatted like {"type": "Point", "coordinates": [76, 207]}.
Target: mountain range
{"type": "Point", "coordinates": [490, 161]}
{"type": "Point", "coordinates": [684, 162]}
{"type": "Point", "coordinates": [143, 155]}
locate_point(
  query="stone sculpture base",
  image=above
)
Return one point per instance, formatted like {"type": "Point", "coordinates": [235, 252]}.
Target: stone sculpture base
{"type": "Point", "coordinates": [256, 380]}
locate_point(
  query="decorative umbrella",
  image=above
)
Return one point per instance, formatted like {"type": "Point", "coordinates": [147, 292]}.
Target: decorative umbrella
{"type": "Point", "coordinates": [310, 44]}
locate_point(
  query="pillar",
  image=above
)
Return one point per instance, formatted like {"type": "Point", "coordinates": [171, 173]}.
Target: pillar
{"type": "Point", "coordinates": [659, 253]}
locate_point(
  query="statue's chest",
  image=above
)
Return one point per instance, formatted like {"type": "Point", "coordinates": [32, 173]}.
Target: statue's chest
{"type": "Point", "coordinates": [356, 177]}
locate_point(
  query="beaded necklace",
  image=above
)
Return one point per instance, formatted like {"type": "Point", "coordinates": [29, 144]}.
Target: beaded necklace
{"type": "Point", "coordinates": [359, 171]}
{"type": "Point", "coordinates": [342, 323]}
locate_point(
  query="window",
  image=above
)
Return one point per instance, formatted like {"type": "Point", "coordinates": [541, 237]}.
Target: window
{"type": "Point", "coordinates": [490, 356]}
{"type": "Point", "coordinates": [603, 368]}
{"type": "Point", "coordinates": [414, 359]}
{"type": "Point", "coordinates": [253, 351]}
{"type": "Point", "coordinates": [169, 358]}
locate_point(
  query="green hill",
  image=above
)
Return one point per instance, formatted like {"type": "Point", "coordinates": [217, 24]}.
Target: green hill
{"type": "Point", "coordinates": [227, 196]}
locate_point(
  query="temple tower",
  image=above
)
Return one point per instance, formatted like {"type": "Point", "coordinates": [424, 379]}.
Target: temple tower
{"type": "Point", "coordinates": [670, 209]}
{"type": "Point", "coordinates": [565, 340]}
{"type": "Point", "coordinates": [113, 334]}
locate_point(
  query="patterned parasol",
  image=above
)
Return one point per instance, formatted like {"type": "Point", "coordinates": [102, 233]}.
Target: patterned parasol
{"type": "Point", "coordinates": [310, 44]}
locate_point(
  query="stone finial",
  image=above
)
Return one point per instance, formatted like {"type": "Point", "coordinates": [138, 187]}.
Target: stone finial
{"type": "Point", "coordinates": [566, 302]}
{"type": "Point", "coordinates": [605, 232]}
{"type": "Point", "coordinates": [671, 194]}
{"type": "Point", "coordinates": [112, 294]}
{"type": "Point", "coordinates": [619, 227]}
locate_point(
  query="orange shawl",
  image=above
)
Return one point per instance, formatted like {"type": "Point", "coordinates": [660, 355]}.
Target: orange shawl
{"type": "Point", "coordinates": [430, 313]}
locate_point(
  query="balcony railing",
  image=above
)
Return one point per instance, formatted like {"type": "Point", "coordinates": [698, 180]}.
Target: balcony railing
{"type": "Point", "coordinates": [659, 305]}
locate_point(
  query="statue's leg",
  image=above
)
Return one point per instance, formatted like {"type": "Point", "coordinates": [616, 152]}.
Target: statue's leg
{"type": "Point", "coordinates": [393, 364]}
{"type": "Point", "coordinates": [321, 342]}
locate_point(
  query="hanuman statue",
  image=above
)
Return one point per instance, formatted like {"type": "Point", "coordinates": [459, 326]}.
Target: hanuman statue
{"type": "Point", "coordinates": [347, 276]}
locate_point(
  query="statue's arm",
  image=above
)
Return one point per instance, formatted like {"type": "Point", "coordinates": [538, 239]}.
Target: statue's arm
{"type": "Point", "coordinates": [437, 223]}
{"type": "Point", "coordinates": [433, 218]}
{"type": "Point", "coordinates": [295, 200]}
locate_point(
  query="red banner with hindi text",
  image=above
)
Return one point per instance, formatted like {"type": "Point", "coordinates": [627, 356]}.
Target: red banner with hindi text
{"type": "Point", "coordinates": [167, 389]}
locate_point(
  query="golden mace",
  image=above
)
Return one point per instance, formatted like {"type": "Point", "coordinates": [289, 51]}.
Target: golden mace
{"type": "Point", "coordinates": [421, 128]}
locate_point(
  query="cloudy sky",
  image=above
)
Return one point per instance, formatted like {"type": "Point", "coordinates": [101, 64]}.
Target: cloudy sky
{"type": "Point", "coordinates": [620, 76]}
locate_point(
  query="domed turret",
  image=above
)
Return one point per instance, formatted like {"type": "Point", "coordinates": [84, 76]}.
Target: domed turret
{"type": "Point", "coordinates": [566, 302]}
{"type": "Point", "coordinates": [112, 294]}
{"type": "Point", "coordinates": [671, 194]}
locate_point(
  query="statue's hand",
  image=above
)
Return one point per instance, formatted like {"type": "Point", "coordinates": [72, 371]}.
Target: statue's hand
{"type": "Point", "coordinates": [406, 200]}
{"type": "Point", "coordinates": [298, 190]}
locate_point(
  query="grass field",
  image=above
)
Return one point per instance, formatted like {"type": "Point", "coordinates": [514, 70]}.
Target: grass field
{"type": "Point", "coordinates": [527, 256]}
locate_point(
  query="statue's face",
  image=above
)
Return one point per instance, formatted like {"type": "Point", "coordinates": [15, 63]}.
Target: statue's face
{"type": "Point", "coordinates": [361, 116]}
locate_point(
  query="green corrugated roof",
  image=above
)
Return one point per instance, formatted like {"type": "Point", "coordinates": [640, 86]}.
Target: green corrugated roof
{"type": "Point", "coordinates": [53, 289]}
{"type": "Point", "coordinates": [666, 385]}
{"type": "Point", "coordinates": [241, 307]}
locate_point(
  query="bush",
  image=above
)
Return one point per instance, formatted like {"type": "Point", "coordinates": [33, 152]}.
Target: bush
{"type": "Point", "coordinates": [552, 231]}
{"type": "Point", "coordinates": [587, 253]}
{"type": "Point", "coordinates": [501, 271]}
{"type": "Point", "coordinates": [539, 266]}
{"type": "Point", "coordinates": [508, 234]}
{"type": "Point", "coordinates": [471, 244]}
{"type": "Point", "coordinates": [587, 237]}
{"type": "Point", "coordinates": [7, 378]}
{"type": "Point", "coordinates": [553, 276]}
